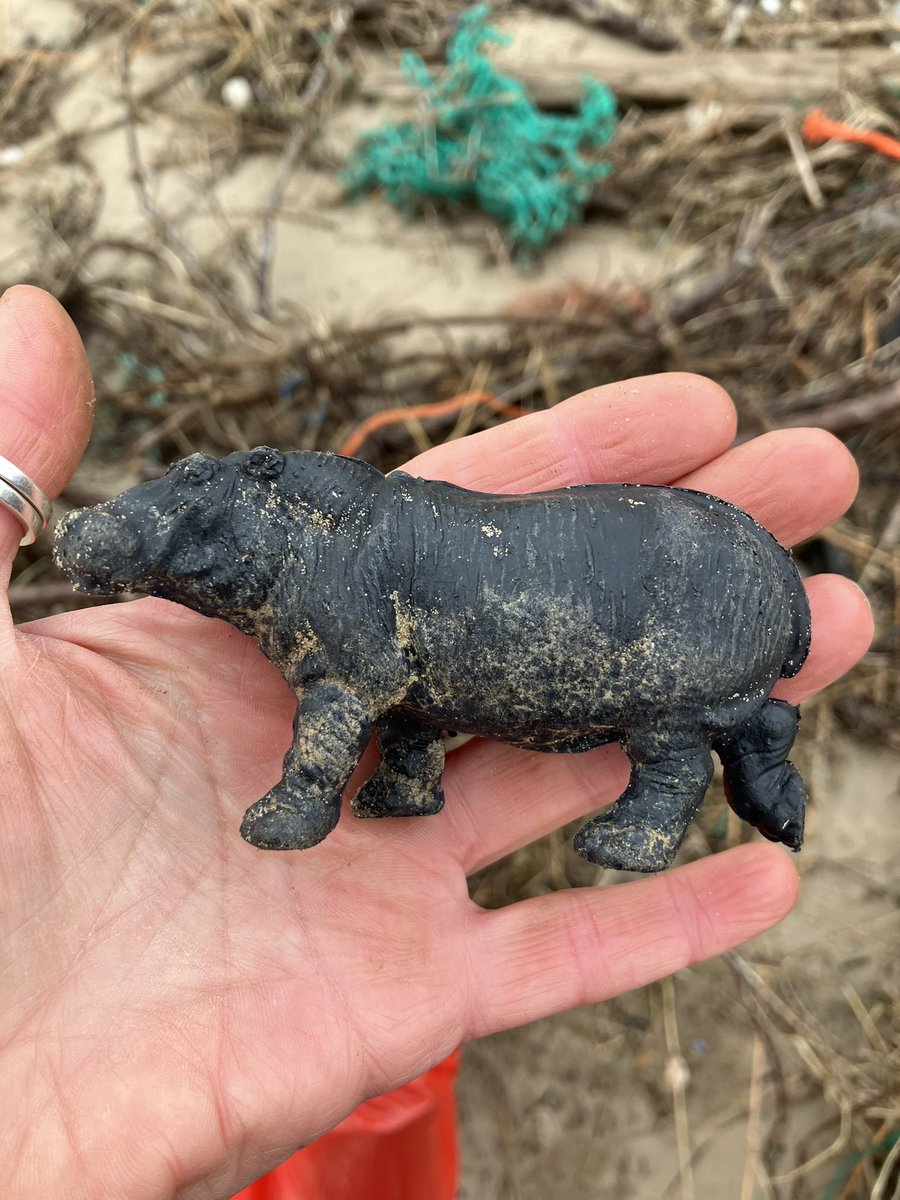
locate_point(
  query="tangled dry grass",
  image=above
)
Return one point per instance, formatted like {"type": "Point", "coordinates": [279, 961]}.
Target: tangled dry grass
{"type": "Point", "coordinates": [789, 296]}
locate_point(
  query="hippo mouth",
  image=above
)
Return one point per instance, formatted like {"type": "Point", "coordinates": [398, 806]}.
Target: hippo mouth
{"type": "Point", "coordinates": [97, 552]}
{"type": "Point", "coordinates": [89, 585]}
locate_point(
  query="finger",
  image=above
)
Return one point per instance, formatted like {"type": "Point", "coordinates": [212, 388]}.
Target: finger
{"type": "Point", "coordinates": [842, 631]}
{"type": "Point", "coordinates": [642, 431]}
{"type": "Point", "coordinates": [646, 430]}
{"type": "Point", "coordinates": [557, 952]}
{"type": "Point", "coordinates": [793, 481]}
{"type": "Point", "coordinates": [499, 799]}
{"type": "Point", "coordinates": [46, 398]}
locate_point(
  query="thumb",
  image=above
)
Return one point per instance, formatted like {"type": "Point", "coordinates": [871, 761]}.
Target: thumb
{"type": "Point", "coordinates": [46, 400]}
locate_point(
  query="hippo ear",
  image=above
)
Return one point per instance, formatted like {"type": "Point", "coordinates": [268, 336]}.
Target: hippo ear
{"type": "Point", "coordinates": [264, 463]}
{"type": "Point", "coordinates": [199, 468]}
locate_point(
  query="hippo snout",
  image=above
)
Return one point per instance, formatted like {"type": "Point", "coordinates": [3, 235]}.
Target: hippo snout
{"type": "Point", "coordinates": [98, 550]}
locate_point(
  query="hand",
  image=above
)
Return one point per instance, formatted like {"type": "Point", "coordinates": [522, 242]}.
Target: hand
{"type": "Point", "coordinates": [180, 1011]}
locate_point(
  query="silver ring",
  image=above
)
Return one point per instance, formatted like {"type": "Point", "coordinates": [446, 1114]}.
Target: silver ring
{"type": "Point", "coordinates": [16, 503]}
{"type": "Point", "coordinates": [21, 496]}
{"type": "Point", "coordinates": [26, 487]}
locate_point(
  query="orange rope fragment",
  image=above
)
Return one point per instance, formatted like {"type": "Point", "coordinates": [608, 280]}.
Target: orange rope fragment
{"type": "Point", "coordinates": [442, 408]}
{"type": "Point", "coordinates": [817, 128]}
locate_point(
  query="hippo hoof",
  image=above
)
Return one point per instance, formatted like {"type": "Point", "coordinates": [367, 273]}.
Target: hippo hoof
{"type": "Point", "coordinates": [625, 847]}
{"type": "Point", "coordinates": [390, 795]}
{"type": "Point", "coordinates": [270, 825]}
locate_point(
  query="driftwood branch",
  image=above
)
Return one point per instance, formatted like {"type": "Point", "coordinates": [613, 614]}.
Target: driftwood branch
{"type": "Point", "coordinates": [614, 18]}
{"type": "Point", "coordinates": [638, 75]}
{"type": "Point", "coordinates": [850, 378]}
{"type": "Point", "coordinates": [849, 415]}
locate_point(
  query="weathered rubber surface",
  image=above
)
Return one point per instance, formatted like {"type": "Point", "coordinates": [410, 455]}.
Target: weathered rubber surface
{"type": "Point", "coordinates": [653, 616]}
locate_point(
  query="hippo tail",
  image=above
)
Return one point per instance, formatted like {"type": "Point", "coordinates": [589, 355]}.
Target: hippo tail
{"type": "Point", "coordinates": [800, 627]}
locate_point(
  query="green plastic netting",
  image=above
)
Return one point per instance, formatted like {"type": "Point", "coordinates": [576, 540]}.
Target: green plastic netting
{"type": "Point", "coordinates": [480, 140]}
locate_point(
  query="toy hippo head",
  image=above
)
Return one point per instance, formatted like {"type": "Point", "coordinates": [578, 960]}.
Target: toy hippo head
{"type": "Point", "coordinates": [197, 535]}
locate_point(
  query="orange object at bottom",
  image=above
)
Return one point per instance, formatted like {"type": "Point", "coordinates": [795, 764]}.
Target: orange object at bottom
{"type": "Point", "coordinates": [400, 1146]}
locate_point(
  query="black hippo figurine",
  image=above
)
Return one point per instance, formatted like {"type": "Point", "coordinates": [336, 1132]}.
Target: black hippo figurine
{"type": "Point", "coordinates": [656, 617]}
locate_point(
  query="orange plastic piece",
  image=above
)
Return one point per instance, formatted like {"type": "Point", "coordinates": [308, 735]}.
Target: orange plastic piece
{"type": "Point", "coordinates": [400, 1146]}
{"type": "Point", "coordinates": [818, 128]}
{"type": "Point", "coordinates": [442, 408]}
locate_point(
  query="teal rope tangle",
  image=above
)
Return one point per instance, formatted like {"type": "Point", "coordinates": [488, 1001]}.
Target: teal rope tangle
{"type": "Point", "coordinates": [480, 140]}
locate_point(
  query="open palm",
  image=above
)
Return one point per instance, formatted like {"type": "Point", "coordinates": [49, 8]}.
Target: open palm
{"type": "Point", "coordinates": [180, 1011]}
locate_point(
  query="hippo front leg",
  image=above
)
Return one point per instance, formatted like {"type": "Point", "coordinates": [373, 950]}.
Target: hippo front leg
{"type": "Point", "coordinates": [646, 825]}
{"type": "Point", "coordinates": [331, 729]}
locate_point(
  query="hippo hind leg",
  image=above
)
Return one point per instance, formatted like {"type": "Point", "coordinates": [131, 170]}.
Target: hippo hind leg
{"type": "Point", "coordinates": [407, 782]}
{"type": "Point", "coordinates": [646, 825]}
{"type": "Point", "coordinates": [763, 788]}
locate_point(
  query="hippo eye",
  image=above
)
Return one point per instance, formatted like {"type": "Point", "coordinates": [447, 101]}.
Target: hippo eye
{"type": "Point", "coordinates": [199, 468]}
{"type": "Point", "coordinates": [264, 463]}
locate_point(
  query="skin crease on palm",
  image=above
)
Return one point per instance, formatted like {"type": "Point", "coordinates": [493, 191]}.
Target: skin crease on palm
{"type": "Point", "coordinates": [180, 1011]}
